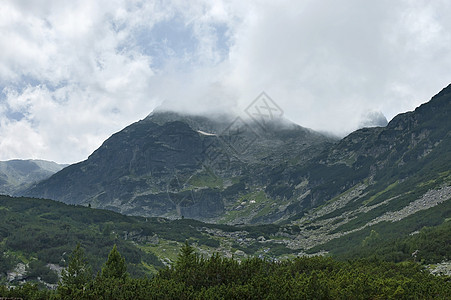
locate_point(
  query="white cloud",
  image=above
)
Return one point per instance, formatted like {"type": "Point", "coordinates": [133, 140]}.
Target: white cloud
{"type": "Point", "coordinates": [73, 73]}
{"type": "Point", "coordinates": [326, 62]}
{"type": "Point", "coordinates": [89, 83]}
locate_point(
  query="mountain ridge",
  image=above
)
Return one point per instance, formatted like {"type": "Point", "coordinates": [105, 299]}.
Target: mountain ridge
{"type": "Point", "coordinates": [17, 173]}
{"type": "Point", "coordinates": [163, 166]}
{"type": "Point", "coordinates": [150, 156]}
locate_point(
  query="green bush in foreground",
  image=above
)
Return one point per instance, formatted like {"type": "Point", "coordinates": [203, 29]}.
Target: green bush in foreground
{"type": "Point", "coordinates": [195, 277]}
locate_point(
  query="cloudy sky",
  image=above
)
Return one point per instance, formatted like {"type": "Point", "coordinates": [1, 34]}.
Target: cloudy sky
{"type": "Point", "coordinates": [74, 72]}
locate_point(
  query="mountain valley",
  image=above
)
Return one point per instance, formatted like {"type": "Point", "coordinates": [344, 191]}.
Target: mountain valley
{"type": "Point", "coordinates": [230, 186]}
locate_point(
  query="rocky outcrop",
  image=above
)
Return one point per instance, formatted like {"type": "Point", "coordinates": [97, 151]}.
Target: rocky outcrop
{"type": "Point", "coordinates": [19, 273]}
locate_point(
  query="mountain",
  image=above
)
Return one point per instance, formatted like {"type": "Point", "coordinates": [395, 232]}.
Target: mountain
{"type": "Point", "coordinates": [174, 165]}
{"type": "Point", "coordinates": [17, 174]}
{"type": "Point", "coordinates": [380, 192]}
{"type": "Point", "coordinates": [392, 180]}
{"type": "Point", "coordinates": [411, 145]}
{"type": "Point", "coordinates": [232, 170]}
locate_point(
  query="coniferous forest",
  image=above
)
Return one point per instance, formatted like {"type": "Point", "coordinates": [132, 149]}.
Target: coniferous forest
{"type": "Point", "coordinates": [196, 277]}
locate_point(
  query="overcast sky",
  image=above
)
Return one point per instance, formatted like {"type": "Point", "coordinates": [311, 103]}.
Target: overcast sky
{"type": "Point", "coordinates": [74, 72]}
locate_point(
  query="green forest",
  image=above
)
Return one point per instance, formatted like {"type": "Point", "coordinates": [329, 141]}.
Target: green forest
{"type": "Point", "coordinates": [370, 264]}
{"type": "Point", "coordinates": [195, 277]}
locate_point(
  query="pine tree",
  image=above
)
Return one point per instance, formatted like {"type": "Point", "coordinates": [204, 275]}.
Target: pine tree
{"type": "Point", "coordinates": [115, 267]}
{"type": "Point", "coordinates": [76, 277]}
{"type": "Point", "coordinates": [188, 265]}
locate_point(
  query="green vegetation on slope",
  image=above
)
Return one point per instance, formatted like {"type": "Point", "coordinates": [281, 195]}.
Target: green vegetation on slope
{"type": "Point", "coordinates": [44, 231]}
{"type": "Point", "coordinates": [38, 232]}
{"type": "Point", "coordinates": [193, 277]}
{"type": "Point", "coordinates": [427, 231]}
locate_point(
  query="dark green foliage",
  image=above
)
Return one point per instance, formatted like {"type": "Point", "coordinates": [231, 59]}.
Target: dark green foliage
{"type": "Point", "coordinates": [301, 278]}
{"type": "Point", "coordinates": [270, 249]}
{"type": "Point", "coordinates": [49, 230]}
{"type": "Point", "coordinates": [76, 276]}
{"type": "Point", "coordinates": [262, 230]}
{"type": "Point", "coordinates": [115, 266]}
{"type": "Point", "coordinates": [6, 263]}
{"type": "Point", "coordinates": [178, 230]}
{"type": "Point", "coordinates": [194, 277]}
{"type": "Point", "coordinates": [433, 240]}
{"type": "Point", "coordinates": [29, 291]}
{"type": "Point", "coordinates": [39, 269]}
{"type": "Point", "coordinates": [433, 245]}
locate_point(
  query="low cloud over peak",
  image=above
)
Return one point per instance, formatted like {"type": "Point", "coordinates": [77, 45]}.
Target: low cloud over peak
{"type": "Point", "coordinates": [73, 73]}
{"type": "Point", "coordinates": [373, 119]}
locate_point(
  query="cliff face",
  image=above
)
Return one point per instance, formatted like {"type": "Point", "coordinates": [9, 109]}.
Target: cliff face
{"type": "Point", "coordinates": [172, 165]}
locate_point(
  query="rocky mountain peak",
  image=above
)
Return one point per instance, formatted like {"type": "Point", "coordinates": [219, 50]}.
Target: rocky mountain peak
{"type": "Point", "coordinates": [234, 170]}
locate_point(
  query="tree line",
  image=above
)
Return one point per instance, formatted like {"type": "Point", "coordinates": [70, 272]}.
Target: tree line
{"type": "Point", "coordinates": [196, 277]}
